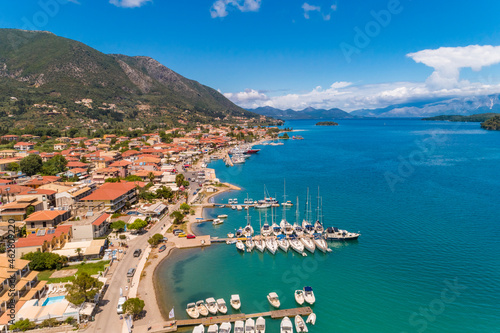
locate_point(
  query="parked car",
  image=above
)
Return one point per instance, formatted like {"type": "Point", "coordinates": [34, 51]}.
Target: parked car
{"type": "Point", "coordinates": [137, 253]}
{"type": "Point", "coordinates": [190, 236]}
{"type": "Point", "coordinates": [177, 232]}
{"type": "Point", "coordinates": [131, 272]}
{"type": "Point", "coordinates": [182, 234]}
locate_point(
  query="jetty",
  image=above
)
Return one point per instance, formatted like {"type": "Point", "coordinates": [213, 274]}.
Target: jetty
{"type": "Point", "coordinates": [172, 326]}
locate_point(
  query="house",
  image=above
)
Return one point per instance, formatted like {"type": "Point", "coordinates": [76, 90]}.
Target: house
{"type": "Point", "coordinates": [8, 153]}
{"type": "Point", "coordinates": [145, 175]}
{"type": "Point", "coordinates": [100, 175]}
{"type": "Point", "coordinates": [90, 227]}
{"type": "Point", "coordinates": [4, 163]}
{"type": "Point", "coordinates": [76, 164]}
{"type": "Point", "coordinates": [113, 196]}
{"type": "Point", "coordinates": [122, 166]}
{"type": "Point", "coordinates": [37, 181]}
{"type": "Point", "coordinates": [24, 146]}
{"type": "Point", "coordinates": [45, 219]}
{"type": "Point", "coordinates": [44, 240]}
{"type": "Point", "coordinates": [67, 195]}
{"type": "Point", "coordinates": [60, 146]}
{"type": "Point", "coordinates": [48, 197]}
{"type": "Point", "coordinates": [18, 210]}
{"type": "Point", "coordinates": [9, 138]}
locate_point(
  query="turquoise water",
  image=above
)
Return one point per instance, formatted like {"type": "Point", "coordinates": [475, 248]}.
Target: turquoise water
{"type": "Point", "coordinates": [52, 300]}
{"type": "Point", "coordinates": [424, 195]}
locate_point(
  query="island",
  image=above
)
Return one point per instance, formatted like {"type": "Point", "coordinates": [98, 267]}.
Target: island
{"type": "Point", "coordinates": [481, 117]}
{"type": "Point", "coordinates": [327, 123]}
{"type": "Point", "coordinates": [492, 124]}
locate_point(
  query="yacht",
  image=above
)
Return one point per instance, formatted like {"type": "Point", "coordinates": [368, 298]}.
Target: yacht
{"type": "Point", "coordinates": [225, 327]}
{"type": "Point", "coordinates": [202, 308]}
{"type": "Point", "coordinates": [213, 328]}
{"type": "Point", "coordinates": [283, 243]}
{"type": "Point", "coordinates": [235, 302]}
{"type": "Point", "coordinates": [249, 244]}
{"type": "Point", "coordinates": [318, 227]}
{"type": "Point", "coordinates": [287, 204]}
{"type": "Point", "coordinates": [300, 325]}
{"type": "Point", "coordinates": [309, 295]}
{"type": "Point", "coordinates": [199, 329]}
{"type": "Point", "coordinates": [320, 243]}
{"type": "Point", "coordinates": [260, 244]}
{"type": "Point", "coordinates": [286, 325]}
{"type": "Point", "coordinates": [240, 246]}
{"type": "Point", "coordinates": [298, 230]}
{"type": "Point", "coordinates": [266, 229]}
{"type": "Point", "coordinates": [260, 325]}
{"type": "Point", "coordinates": [336, 234]}
{"type": "Point", "coordinates": [192, 311]}
{"type": "Point", "coordinates": [248, 230]}
{"type": "Point", "coordinates": [239, 326]}
{"type": "Point", "coordinates": [250, 326]}
{"type": "Point", "coordinates": [262, 206]}
{"type": "Point", "coordinates": [286, 227]}
{"type": "Point", "coordinates": [296, 245]}
{"type": "Point", "coordinates": [221, 306]}
{"type": "Point", "coordinates": [272, 245]}
{"type": "Point", "coordinates": [273, 299]}
{"type": "Point", "coordinates": [308, 227]}
{"type": "Point", "coordinates": [233, 207]}
{"type": "Point", "coordinates": [235, 201]}
{"type": "Point", "coordinates": [276, 229]}
{"type": "Point", "coordinates": [299, 296]}
{"type": "Point", "coordinates": [211, 305]}
{"type": "Point", "coordinates": [308, 244]}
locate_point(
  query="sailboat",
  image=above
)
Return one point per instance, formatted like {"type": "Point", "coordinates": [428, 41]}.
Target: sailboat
{"type": "Point", "coordinates": [250, 244]}
{"type": "Point", "coordinates": [318, 226]}
{"type": "Point", "coordinates": [275, 227]}
{"type": "Point", "coordinates": [308, 244]}
{"type": "Point", "coordinates": [320, 243]}
{"type": "Point", "coordinates": [296, 245]}
{"type": "Point", "coordinates": [248, 230]}
{"type": "Point", "coordinates": [306, 224]}
{"type": "Point", "coordinates": [272, 245]}
{"type": "Point", "coordinates": [260, 244]}
{"type": "Point", "coordinates": [283, 243]}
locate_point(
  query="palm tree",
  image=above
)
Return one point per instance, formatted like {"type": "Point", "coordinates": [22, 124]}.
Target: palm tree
{"type": "Point", "coordinates": [151, 176]}
{"type": "Point", "coordinates": [79, 252]}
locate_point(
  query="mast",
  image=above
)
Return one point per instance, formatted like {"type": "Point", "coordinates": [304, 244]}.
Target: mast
{"type": "Point", "coordinates": [317, 209]}
{"type": "Point", "coordinates": [284, 199]}
{"type": "Point", "coordinates": [297, 211]}
{"type": "Point", "coordinates": [248, 213]}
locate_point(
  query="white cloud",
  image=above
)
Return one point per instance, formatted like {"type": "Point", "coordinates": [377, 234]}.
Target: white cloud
{"type": "Point", "coordinates": [219, 7]}
{"type": "Point", "coordinates": [444, 82]}
{"type": "Point", "coordinates": [448, 61]}
{"type": "Point", "coordinates": [312, 8]}
{"type": "Point", "coordinates": [129, 3]}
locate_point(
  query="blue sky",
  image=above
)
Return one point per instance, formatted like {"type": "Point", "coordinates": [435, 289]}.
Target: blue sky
{"type": "Point", "coordinates": [292, 53]}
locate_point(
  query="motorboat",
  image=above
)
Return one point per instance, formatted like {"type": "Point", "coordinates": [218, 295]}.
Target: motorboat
{"type": "Point", "coordinates": [250, 244]}
{"type": "Point", "coordinates": [260, 325]}
{"type": "Point", "coordinates": [262, 206]}
{"type": "Point", "coordinates": [235, 201]}
{"type": "Point", "coordinates": [276, 229]}
{"type": "Point", "coordinates": [260, 244]}
{"type": "Point", "coordinates": [299, 296]}
{"type": "Point", "coordinates": [221, 306]}
{"type": "Point", "coordinates": [272, 245]}
{"type": "Point", "coordinates": [225, 327]}
{"type": "Point", "coordinates": [235, 302]}
{"type": "Point", "coordinates": [239, 233]}
{"type": "Point", "coordinates": [233, 207]}
{"type": "Point", "coordinates": [298, 230]}
{"type": "Point", "coordinates": [309, 295]}
{"type": "Point", "coordinates": [211, 305]}
{"type": "Point", "coordinates": [283, 243]}
{"type": "Point", "coordinates": [213, 328]}
{"type": "Point", "coordinates": [222, 216]}
{"type": "Point", "coordinates": [308, 227]}
{"type": "Point", "coordinates": [320, 243]}
{"type": "Point", "coordinates": [230, 235]}
{"type": "Point", "coordinates": [192, 311]}
{"type": "Point", "coordinates": [202, 308]}
{"type": "Point", "coordinates": [296, 245]}
{"type": "Point", "coordinates": [199, 329]}
{"type": "Point", "coordinates": [311, 319]}
{"type": "Point", "coordinates": [273, 299]}
{"type": "Point", "coordinates": [287, 204]}
{"type": "Point", "coordinates": [230, 201]}
{"type": "Point", "coordinates": [300, 325]}
{"type": "Point", "coordinates": [318, 227]}
{"type": "Point", "coordinates": [308, 244]}
{"type": "Point", "coordinates": [217, 221]}
{"type": "Point", "coordinates": [239, 326]}
{"type": "Point", "coordinates": [336, 234]}
{"type": "Point", "coordinates": [286, 325]}
{"type": "Point", "coordinates": [239, 207]}
{"type": "Point", "coordinates": [250, 326]}
{"type": "Point", "coordinates": [240, 246]}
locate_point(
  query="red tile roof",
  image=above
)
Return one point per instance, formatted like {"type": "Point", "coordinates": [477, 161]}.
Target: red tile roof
{"type": "Point", "coordinates": [110, 191]}
{"type": "Point", "coordinates": [100, 220]}
{"type": "Point", "coordinates": [45, 215]}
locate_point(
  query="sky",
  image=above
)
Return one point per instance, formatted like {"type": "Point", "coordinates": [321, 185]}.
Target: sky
{"type": "Point", "coordinates": [348, 54]}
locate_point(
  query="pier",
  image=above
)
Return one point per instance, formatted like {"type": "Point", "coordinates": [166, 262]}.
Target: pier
{"type": "Point", "coordinates": [172, 326]}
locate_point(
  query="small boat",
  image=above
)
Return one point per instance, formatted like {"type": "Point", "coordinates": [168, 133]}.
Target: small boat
{"type": "Point", "coordinates": [239, 207]}
{"type": "Point", "coordinates": [230, 235]}
{"type": "Point", "coordinates": [336, 234]}
{"type": "Point", "coordinates": [202, 308]}
{"type": "Point", "coordinates": [320, 243]}
{"type": "Point", "coordinates": [233, 207]}
{"type": "Point", "coordinates": [309, 295]}
{"type": "Point", "coordinates": [299, 296]}
{"type": "Point", "coordinates": [287, 204]}
{"type": "Point", "coordinates": [273, 299]}
{"type": "Point", "coordinates": [250, 326]}
{"type": "Point", "coordinates": [213, 328]}
{"type": "Point", "coordinates": [235, 302]}
{"type": "Point", "coordinates": [250, 244]}
{"type": "Point", "coordinates": [308, 244]}
{"type": "Point", "coordinates": [192, 311]}
{"type": "Point", "coordinates": [230, 201]}
{"type": "Point", "coordinates": [225, 327]}
{"type": "Point", "coordinates": [260, 325]}
{"type": "Point", "coordinates": [286, 325]}
{"type": "Point", "coordinates": [162, 248]}
{"type": "Point", "coordinates": [300, 325]}
{"type": "Point", "coordinates": [235, 201]}
{"type": "Point", "coordinates": [211, 305]}
{"type": "Point", "coordinates": [272, 245]}
{"type": "Point", "coordinates": [283, 243]}
{"type": "Point", "coordinates": [221, 306]}
{"type": "Point", "coordinates": [262, 206]}
{"type": "Point", "coordinates": [222, 216]}
{"type": "Point", "coordinates": [260, 245]}
{"type": "Point", "coordinates": [311, 319]}
{"type": "Point", "coordinates": [239, 326]}
{"type": "Point", "coordinates": [217, 221]}
{"type": "Point", "coordinates": [296, 245]}
{"type": "Point", "coordinates": [199, 329]}
{"type": "Point", "coordinates": [240, 246]}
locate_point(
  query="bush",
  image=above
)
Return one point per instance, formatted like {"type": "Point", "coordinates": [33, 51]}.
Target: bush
{"type": "Point", "coordinates": [123, 237]}
{"type": "Point", "coordinates": [51, 322]}
{"type": "Point", "coordinates": [155, 240]}
{"type": "Point", "coordinates": [40, 261]}
{"type": "Point", "coordinates": [22, 325]}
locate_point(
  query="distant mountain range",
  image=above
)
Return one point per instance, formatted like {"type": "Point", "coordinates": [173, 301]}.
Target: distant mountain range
{"type": "Point", "coordinates": [40, 68]}
{"type": "Point", "coordinates": [308, 113]}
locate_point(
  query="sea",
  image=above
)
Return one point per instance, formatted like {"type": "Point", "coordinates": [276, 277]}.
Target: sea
{"type": "Point", "coordinates": [425, 197]}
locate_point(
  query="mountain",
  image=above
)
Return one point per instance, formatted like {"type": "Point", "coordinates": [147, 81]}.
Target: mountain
{"type": "Point", "coordinates": [308, 113]}
{"type": "Point", "coordinates": [456, 106]}
{"type": "Point", "coordinates": [49, 79]}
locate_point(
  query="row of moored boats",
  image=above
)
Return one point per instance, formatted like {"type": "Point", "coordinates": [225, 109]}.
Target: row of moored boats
{"type": "Point", "coordinates": [257, 326]}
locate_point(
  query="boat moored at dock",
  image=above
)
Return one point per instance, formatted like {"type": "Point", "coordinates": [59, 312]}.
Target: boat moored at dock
{"type": "Point", "coordinates": [273, 299]}
{"type": "Point", "coordinates": [336, 234]}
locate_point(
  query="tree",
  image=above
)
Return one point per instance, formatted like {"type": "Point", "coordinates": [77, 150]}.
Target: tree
{"type": "Point", "coordinates": [13, 166]}
{"type": "Point", "coordinates": [22, 325]}
{"type": "Point", "coordinates": [79, 252]}
{"type": "Point", "coordinates": [179, 179]}
{"type": "Point", "coordinates": [133, 306]}
{"type": "Point", "coordinates": [117, 226]}
{"type": "Point", "coordinates": [30, 210]}
{"type": "Point", "coordinates": [185, 208]}
{"type": "Point", "coordinates": [151, 176]}
{"type": "Point", "coordinates": [164, 192]}
{"type": "Point", "coordinates": [40, 261]}
{"type": "Point", "coordinates": [31, 164]}
{"type": "Point", "coordinates": [133, 178]}
{"type": "Point", "coordinates": [155, 240]}
{"type": "Point", "coordinates": [83, 289]}
{"type": "Point", "coordinates": [55, 165]}
{"type": "Point", "coordinates": [177, 216]}
{"type": "Point", "coordinates": [137, 225]}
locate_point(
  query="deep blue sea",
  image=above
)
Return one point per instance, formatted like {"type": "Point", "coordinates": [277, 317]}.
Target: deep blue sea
{"type": "Point", "coordinates": [425, 197]}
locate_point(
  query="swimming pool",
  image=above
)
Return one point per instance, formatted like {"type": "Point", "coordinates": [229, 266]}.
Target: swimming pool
{"type": "Point", "coordinates": [52, 300]}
